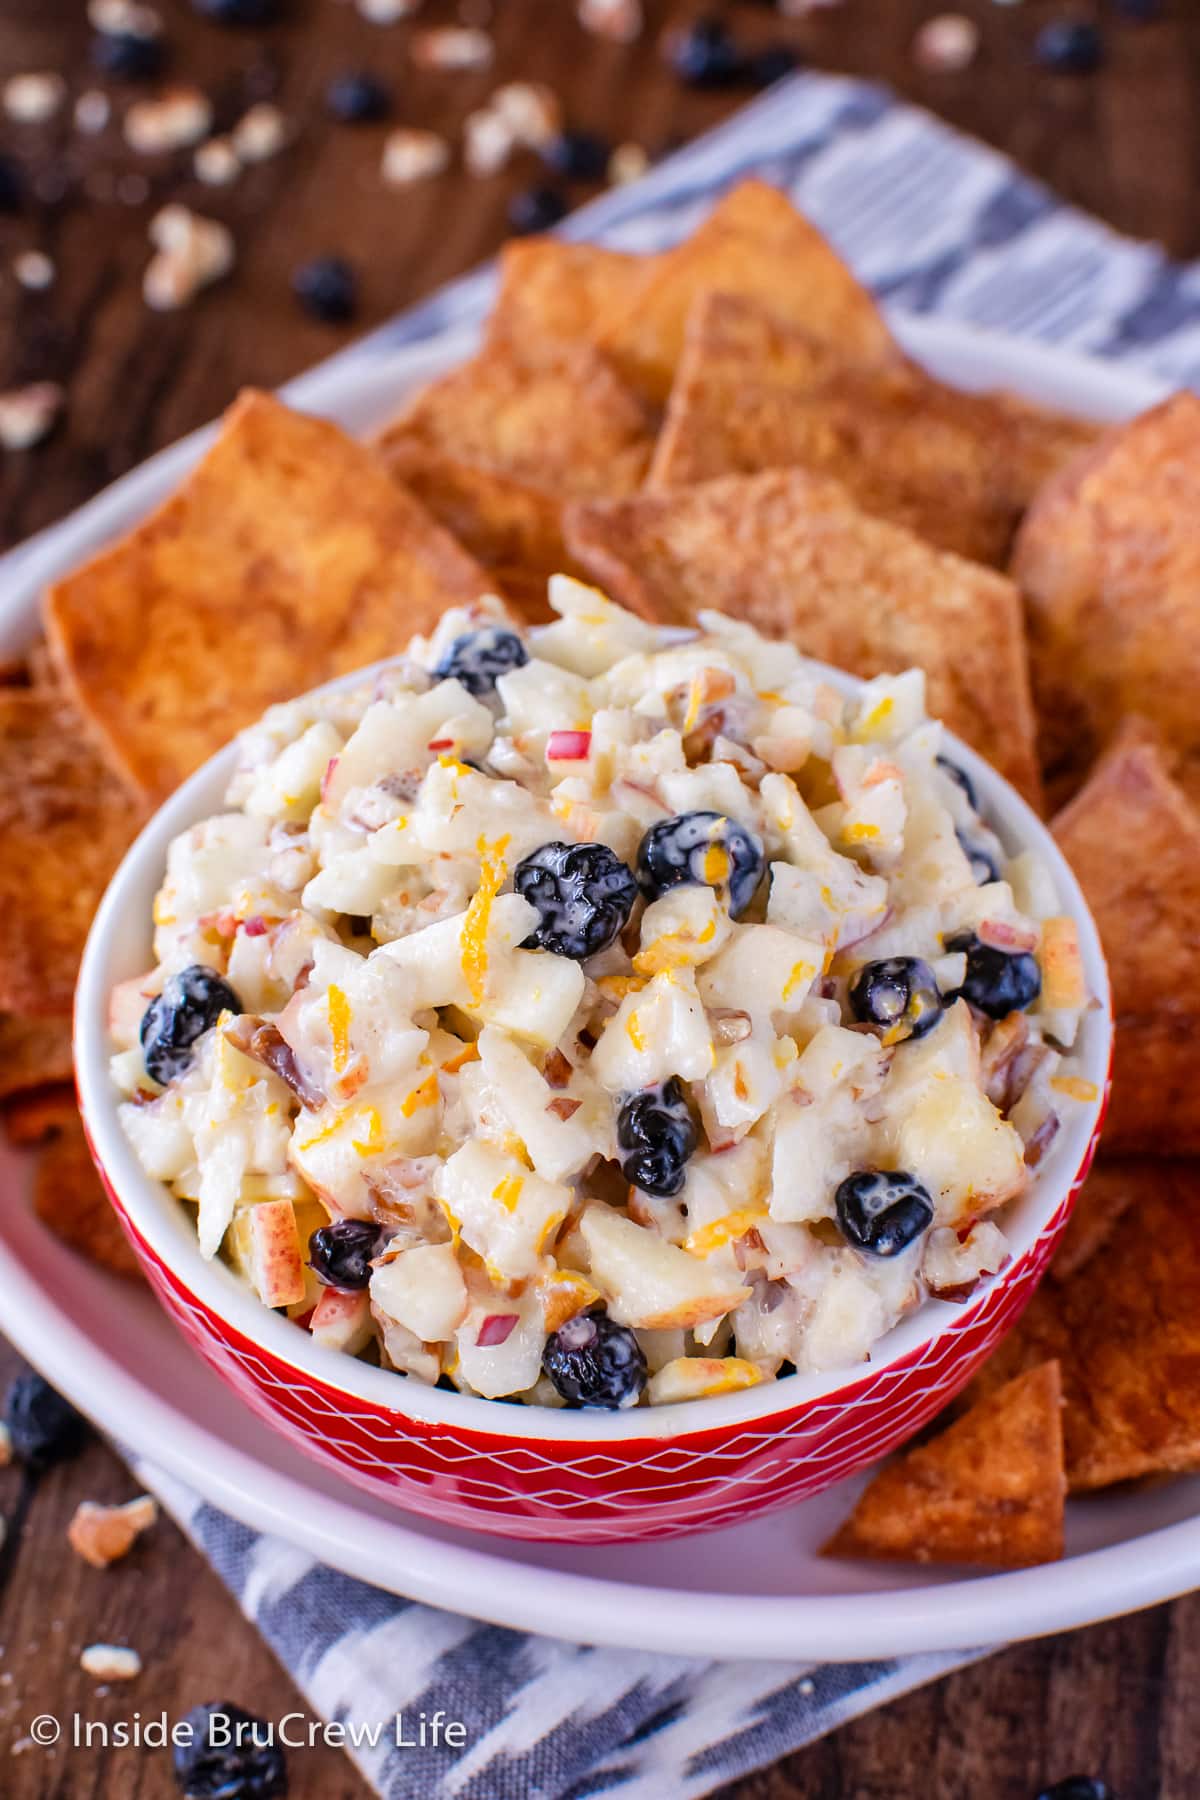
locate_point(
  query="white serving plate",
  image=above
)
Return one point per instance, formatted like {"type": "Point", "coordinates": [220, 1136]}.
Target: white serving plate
{"type": "Point", "coordinates": [757, 1591]}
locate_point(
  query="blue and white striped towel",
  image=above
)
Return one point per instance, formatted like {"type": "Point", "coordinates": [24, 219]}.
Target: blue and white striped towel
{"type": "Point", "coordinates": [935, 223]}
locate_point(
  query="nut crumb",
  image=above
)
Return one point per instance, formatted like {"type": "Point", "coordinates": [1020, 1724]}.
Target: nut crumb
{"type": "Point", "coordinates": [34, 270]}
{"type": "Point", "coordinates": [31, 99]}
{"type": "Point", "coordinates": [92, 111]}
{"type": "Point", "coordinates": [216, 162]}
{"type": "Point", "coordinates": [260, 133]}
{"type": "Point", "coordinates": [387, 12]}
{"type": "Point", "coordinates": [124, 18]}
{"type": "Point", "coordinates": [192, 253]}
{"type": "Point", "coordinates": [628, 162]}
{"type": "Point", "coordinates": [452, 47]}
{"type": "Point", "coordinates": [174, 121]}
{"type": "Point", "coordinates": [410, 155]}
{"type": "Point", "coordinates": [621, 21]}
{"type": "Point", "coordinates": [488, 142]}
{"type": "Point", "coordinates": [110, 1662]}
{"type": "Point", "coordinates": [104, 1534]}
{"type": "Point", "coordinates": [27, 414]}
{"type": "Point", "coordinates": [947, 43]}
{"type": "Point", "coordinates": [533, 112]}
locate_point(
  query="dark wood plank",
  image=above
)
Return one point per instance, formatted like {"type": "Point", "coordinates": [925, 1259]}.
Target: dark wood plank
{"type": "Point", "coordinates": [1125, 143]}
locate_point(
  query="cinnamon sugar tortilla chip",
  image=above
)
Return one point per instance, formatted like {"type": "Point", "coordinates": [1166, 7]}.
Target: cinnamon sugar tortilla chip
{"type": "Point", "coordinates": [1133, 839]}
{"type": "Point", "coordinates": [65, 820]}
{"type": "Point", "coordinates": [567, 426]}
{"type": "Point", "coordinates": [752, 392]}
{"type": "Point", "coordinates": [553, 294]}
{"type": "Point", "coordinates": [513, 530]}
{"type": "Point", "coordinates": [789, 553]}
{"type": "Point", "coordinates": [1109, 562]}
{"type": "Point", "coordinates": [69, 1198]}
{"type": "Point", "coordinates": [288, 556]}
{"type": "Point", "coordinates": [754, 243]}
{"type": "Point", "coordinates": [989, 1489]}
{"type": "Point", "coordinates": [1111, 1188]}
{"type": "Point", "coordinates": [1126, 1330]}
{"type": "Point", "coordinates": [31, 1118]}
{"type": "Point", "coordinates": [33, 1052]}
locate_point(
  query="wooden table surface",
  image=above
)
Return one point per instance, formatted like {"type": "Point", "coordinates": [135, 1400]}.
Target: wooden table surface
{"type": "Point", "coordinates": [1116, 1700]}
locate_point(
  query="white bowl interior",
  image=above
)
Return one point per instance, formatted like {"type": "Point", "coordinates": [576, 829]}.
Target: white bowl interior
{"type": "Point", "coordinates": [120, 947]}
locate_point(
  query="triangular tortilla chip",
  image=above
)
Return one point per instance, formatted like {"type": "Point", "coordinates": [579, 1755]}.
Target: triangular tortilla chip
{"type": "Point", "coordinates": [33, 1052]}
{"type": "Point", "coordinates": [513, 530]}
{"type": "Point", "coordinates": [1111, 1189]}
{"type": "Point", "coordinates": [989, 1489]}
{"type": "Point", "coordinates": [65, 820]}
{"type": "Point", "coordinates": [568, 426]}
{"type": "Point", "coordinates": [553, 294]}
{"type": "Point", "coordinates": [1126, 1329]}
{"type": "Point", "coordinates": [69, 1197]}
{"type": "Point", "coordinates": [1133, 839]}
{"type": "Point", "coordinates": [753, 242]}
{"type": "Point", "coordinates": [288, 556]}
{"type": "Point", "coordinates": [1109, 562]}
{"type": "Point", "coordinates": [752, 392]}
{"type": "Point", "coordinates": [789, 553]}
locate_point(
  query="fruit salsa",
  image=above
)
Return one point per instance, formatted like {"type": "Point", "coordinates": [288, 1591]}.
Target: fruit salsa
{"type": "Point", "coordinates": [600, 1014]}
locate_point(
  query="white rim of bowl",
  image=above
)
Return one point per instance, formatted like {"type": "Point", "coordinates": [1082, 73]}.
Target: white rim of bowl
{"type": "Point", "coordinates": [161, 1221]}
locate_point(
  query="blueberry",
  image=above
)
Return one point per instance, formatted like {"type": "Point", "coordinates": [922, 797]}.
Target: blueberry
{"type": "Point", "coordinates": [339, 1255]}
{"type": "Point", "coordinates": [244, 13]}
{"type": "Point", "coordinates": [656, 1135]}
{"type": "Point", "coordinates": [327, 288]}
{"type": "Point", "coordinates": [704, 55]}
{"type": "Point", "coordinates": [127, 56]}
{"type": "Point", "coordinates": [1141, 10]}
{"type": "Point", "coordinates": [593, 1362]}
{"type": "Point", "coordinates": [12, 185]}
{"type": "Point", "coordinates": [44, 1428]}
{"type": "Point", "coordinates": [882, 1211]}
{"type": "Point", "coordinates": [536, 209]}
{"type": "Point", "coordinates": [477, 658]}
{"type": "Point", "coordinates": [961, 779]}
{"type": "Point", "coordinates": [704, 849]}
{"type": "Point", "coordinates": [583, 893]}
{"type": "Point", "coordinates": [357, 98]}
{"type": "Point", "coordinates": [1069, 47]}
{"type": "Point", "coordinates": [217, 1758]}
{"type": "Point", "coordinates": [773, 64]}
{"type": "Point", "coordinates": [984, 867]}
{"type": "Point", "coordinates": [997, 982]}
{"type": "Point", "coordinates": [1078, 1787]}
{"type": "Point", "coordinates": [577, 156]}
{"type": "Point", "coordinates": [900, 994]}
{"type": "Point", "coordinates": [191, 1002]}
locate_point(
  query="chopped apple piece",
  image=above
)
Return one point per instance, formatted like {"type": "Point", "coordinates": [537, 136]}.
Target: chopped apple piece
{"type": "Point", "coordinates": [276, 1265]}
{"type": "Point", "coordinates": [652, 1284]}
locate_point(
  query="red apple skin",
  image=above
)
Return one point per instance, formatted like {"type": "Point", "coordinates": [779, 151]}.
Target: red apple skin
{"type": "Point", "coordinates": [277, 1267]}
{"type": "Point", "coordinates": [342, 1320]}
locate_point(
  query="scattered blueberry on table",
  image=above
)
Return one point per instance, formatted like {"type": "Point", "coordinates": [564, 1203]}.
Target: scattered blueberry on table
{"type": "Point", "coordinates": [577, 156]}
{"type": "Point", "coordinates": [997, 982]}
{"type": "Point", "coordinates": [899, 994]}
{"type": "Point", "coordinates": [245, 14]}
{"type": "Point", "coordinates": [536, 209]}
{"type": "Point", "coordinates": [240, 1770]}
{"type": "Point", "coordinates": [1069, 47]}
{"type": "Point", "coordinates": [357, 98]}
{"type": "Point", "coordinates": [657, 1136]}
{"type": "Point", "coordinates": [583, 894]}
{"type": "Point", "coordinates": [190, 1004]}
{"type": "Point", "coordinates": [327, 288]}
{"type": "Point", "coordinates": [42, 1427]}
{"type": "Point", "coordinates": [478, 658]}
{"type": "Point", "coordinates": [765, 67]}
{"type": "Point", "coordinates": [882, 1211]}
{"type": "Point", "coordinates": [128, 56]}
{"type": "Point", "coordinates": [593, 1362]}
{"type": "Point", "coordinates": [701, 849]}
{"type": "Point", "coordinates": [705, 55]}
{"type": "Point", "coordinates": [339, 1254]}
{"type": "Point", "coordinates": [1078, 1787]}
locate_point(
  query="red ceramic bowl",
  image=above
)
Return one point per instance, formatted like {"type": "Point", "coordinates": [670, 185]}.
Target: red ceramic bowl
{"type": "Point", "coordinates": [531, 1472]}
